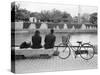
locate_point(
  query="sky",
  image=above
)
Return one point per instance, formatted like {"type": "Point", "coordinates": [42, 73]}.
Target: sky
{"type": "Point", "coordinates": [72, 9]}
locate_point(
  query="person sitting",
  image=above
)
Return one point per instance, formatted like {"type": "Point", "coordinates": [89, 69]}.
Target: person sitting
{"type": "Point", "coordinates": [36, 40]}
{"type": "Point", "coordinates": [49, 40]}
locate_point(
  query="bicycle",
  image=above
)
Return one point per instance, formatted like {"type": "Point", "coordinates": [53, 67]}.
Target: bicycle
{"type": "Point", "coordinates": [85, 50]}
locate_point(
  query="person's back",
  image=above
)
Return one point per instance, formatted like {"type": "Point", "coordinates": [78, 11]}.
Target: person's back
{"type": "Point", "coordinates": [49, 40]}
{"type": "Point", "coordinates": [36, 40]}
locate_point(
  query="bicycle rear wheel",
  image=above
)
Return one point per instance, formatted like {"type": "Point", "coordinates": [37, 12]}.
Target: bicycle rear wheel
{"type": "Point", "coordinates": [87, 51]}
{"type": "Point", "coordinates": [64, 52]}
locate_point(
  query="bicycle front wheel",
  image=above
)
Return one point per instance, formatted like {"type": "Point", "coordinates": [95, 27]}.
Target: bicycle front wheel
{"type": "Point", "coordinates": [87, 51]}
{"type": "Point", "coordinates": [64, 52]}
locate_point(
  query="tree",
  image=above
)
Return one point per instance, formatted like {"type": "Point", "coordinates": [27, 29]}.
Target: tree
{"type": "Point", "coordinates": [67, 17]}
{"type": "Point", "coordinates": [22, 14]}
{"type": "Point", "coordinates": [18, 14]}
{"type": "Point", "coordinates": [85, 18]}
{"type": "Point", "coordinates": [14, 9]}
{"type": "Point", "coordinates": [93, 18]}
{"type": "Point", "coordinates": [54, 16]}
{"type": "Point", "coordinates": [44, 15]}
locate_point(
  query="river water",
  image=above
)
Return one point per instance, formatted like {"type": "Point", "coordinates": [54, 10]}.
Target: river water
{"type": "Point", "coordinates": [92, 38]}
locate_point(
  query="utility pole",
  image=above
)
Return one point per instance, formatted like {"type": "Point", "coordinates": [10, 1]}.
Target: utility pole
{"type": "Point", "coordinates": [79, 9]}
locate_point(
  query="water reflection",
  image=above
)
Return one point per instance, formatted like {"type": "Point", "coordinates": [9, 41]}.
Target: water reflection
{"type": "Point", "coordinates": [19, 38]}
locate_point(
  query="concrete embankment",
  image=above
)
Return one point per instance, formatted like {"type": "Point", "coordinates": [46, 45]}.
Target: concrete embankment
{"type": "Point", "coordinates": [56, 31]}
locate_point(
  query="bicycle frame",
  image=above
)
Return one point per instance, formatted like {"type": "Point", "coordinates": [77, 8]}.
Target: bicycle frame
{"type": "Point", "coordinates": [81, 49]}
{"type": "Point", "coordinates": [72, 48]}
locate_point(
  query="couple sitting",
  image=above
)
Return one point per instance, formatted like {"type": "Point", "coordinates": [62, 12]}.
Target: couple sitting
{"type": "Point", "coordinates": [49, 40]}
{"type": "Point", "coordinates": [36, 41]}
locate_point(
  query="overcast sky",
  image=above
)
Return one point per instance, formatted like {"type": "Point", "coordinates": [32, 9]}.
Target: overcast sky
{"type": "Point", "coordinates": [72, 9]}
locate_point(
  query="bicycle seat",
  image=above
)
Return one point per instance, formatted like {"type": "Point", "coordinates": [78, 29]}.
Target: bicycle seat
{"type": "Point", "coordinates": [79, 41]}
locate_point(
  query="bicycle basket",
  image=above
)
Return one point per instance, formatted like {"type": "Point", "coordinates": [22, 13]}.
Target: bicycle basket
{"type": "Point", "coordinates": [65, 40]}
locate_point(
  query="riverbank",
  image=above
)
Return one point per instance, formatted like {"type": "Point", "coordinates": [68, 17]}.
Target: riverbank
{"type": "Point", "coordinates": [56, 31]}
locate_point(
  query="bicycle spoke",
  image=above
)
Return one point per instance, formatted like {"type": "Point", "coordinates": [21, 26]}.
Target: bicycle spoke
{"type": "Point", "coordinates": [87, 51]}
{"type": "Point", "coordinates": [64, 52]}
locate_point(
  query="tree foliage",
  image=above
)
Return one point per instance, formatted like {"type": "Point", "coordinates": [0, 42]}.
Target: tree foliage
{"type": "Point", "coordinates": [93, 18]}
{"type": "Point", "coordinates": [85, 18]}
{"type": "Point", "coordinates": [18, 14]}
{"type": "Point", "coordinates": [54, 16]}
{"type": "Point", "coordinates": [45, 15]}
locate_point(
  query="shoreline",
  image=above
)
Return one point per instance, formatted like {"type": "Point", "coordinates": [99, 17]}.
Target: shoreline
{"type": "Point", "coordinates": [56, 31]}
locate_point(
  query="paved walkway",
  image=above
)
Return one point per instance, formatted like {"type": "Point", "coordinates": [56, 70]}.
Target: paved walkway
{"type": "Point", "coordinates": [54, 64]}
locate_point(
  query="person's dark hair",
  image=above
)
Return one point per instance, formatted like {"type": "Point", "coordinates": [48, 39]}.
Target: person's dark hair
{"type": "Point", "coordinates": [52, 31]}
{"type": "Point", "coordinates": [37, 32]}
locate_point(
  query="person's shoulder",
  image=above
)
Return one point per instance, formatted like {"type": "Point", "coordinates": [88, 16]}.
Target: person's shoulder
{"type": "Point", "coordinates": [40, 36]}
{"type": "Point", "coordinates": [47, 35]}
{"type": "Point", "coordinates": [53, 35]}
{"type": "Point", "coordinates": [33, 36]}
